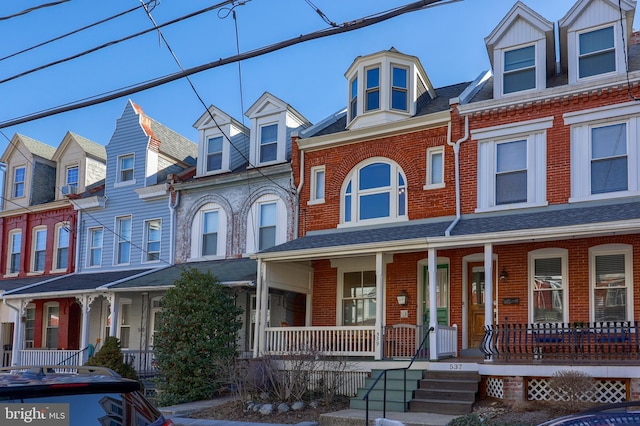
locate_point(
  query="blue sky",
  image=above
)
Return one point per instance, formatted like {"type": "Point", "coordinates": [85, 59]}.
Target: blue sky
{"type": "Point", "coordinates": [448, 39]}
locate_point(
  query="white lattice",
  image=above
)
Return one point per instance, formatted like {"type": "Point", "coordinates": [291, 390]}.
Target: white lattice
{"type": "Point", "coordinates": [605, 391]}
{"type": "Point", "coordinates": [495, 387]}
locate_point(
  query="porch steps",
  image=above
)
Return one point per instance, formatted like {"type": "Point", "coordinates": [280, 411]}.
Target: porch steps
{"type": "Point", "coordinates": [446, 392]}
{"type": "Point", "coordinates": [396, 394]}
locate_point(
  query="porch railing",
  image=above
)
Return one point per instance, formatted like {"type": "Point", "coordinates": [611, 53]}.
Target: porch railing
{"type": "Point", "coordinates": [346, 341]}
{"type": "Point", "coordinates": [142, 361]}
{"type": "Point", "coordinates": [402, 340]}
{"type": "Point", "coordinates": [32, 357]}
{"type": "Point", "coordinates": [579, 340]}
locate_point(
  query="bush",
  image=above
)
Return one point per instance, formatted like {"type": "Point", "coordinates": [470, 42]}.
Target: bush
{"type": "Point", "coordinates": [571, 385]}
{"type": "Point", "coordinates": [197, 332]}
{"type": "Point", "coordinates": [110, 356]}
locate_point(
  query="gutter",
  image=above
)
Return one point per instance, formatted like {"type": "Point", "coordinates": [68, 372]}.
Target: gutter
{"type": "Point", "coordinates": [456, 153]}
{"type": "Point", "coordinates": [296, 221]}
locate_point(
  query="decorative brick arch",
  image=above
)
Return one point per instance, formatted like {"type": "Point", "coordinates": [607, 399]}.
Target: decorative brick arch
{"type": "Point", "coordinates": [192, 212]}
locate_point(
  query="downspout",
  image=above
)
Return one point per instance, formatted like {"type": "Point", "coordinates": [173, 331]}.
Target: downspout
{"type": "Point", "coordinates": [172, 206]}
{"type": "Point", "coordinates": [456, 154]}
{"type": "Point", "coordinates": [298, 189]}
{"type": "Point", "coordinates": [78, 240]}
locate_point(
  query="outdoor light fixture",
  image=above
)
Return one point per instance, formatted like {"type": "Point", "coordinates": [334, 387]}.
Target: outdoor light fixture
{"type": "Point", "coordinates": [503, 274]}
{"type": "Point", "coordinates": [402, 298]}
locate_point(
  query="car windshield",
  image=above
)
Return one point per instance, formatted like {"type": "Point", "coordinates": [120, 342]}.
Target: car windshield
{"type": "Point", "coordinates": [102, 409]}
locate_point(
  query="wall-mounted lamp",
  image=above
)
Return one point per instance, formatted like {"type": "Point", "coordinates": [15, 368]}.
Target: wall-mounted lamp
{"type": "Point", "coordinates": [402, 297]}
{"type": "Point", "coordinates": [503, 274]}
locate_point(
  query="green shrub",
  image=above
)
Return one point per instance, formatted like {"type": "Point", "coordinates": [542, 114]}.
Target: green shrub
{"type": "Point", "coordinates": [110, 356]}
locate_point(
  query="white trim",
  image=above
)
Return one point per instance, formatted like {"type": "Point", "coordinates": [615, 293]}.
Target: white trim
{"type": "Point", "coordinates": [253, 222]}
{"type": "Point", "coordinates": [56, 246]}
{"type": "Point", "coordinates": [313, 196]}
{"type": "Point", "coordinates": [34, 242]}
{"type": "Point", "coordinates": [549, 253]}
{"type": "Point", "coordinates": [117, 240]}
{"type": "Point", "coordinates": [90, 232]}
{"type": "Point", "coordinates": [609, 249]}
{"type": "Point", "coordinates": [118, 181]}
{"type": "Point", "coordinates": [430, 153]}
{"type": "Point", "coordinates": [197, 230]}
{"type": "Point", "coordinates": [145, 241]}
{"type": "Point", "coordinates": [10, 237]}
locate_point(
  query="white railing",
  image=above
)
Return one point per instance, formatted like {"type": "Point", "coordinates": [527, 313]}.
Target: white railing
{"type": "Point", "coordinates": [32, 357]}
{"type": "Point", "coordinates": [447, 340]}
{"type": "Point", "coordinates": [141, 361]}
{"type": "Point", "coordinates": [345, 341]}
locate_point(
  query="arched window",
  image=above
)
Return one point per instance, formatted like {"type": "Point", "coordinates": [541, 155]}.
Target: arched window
{"type": "Point", "coordinates": [209, 232]}
{"type": "Point", "coordinates": [375, 191]}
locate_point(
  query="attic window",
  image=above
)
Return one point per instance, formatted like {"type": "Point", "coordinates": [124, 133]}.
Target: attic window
{"type": "Point", "coordinates": [399, 88]}
{"type": "Point", "coordinates": [214, 154]}
{"type": "Point", "coordinates": [597, 52]}
{"type": "Point", "coordinates": [373, 89]}
{"type": "Point", "coordinates": [353, 101]}
{"type": "Point", "coordinates": [519, 69]}
{"type": "Point", "coordinates": [269, 143]}
{"type": "Point", "coordinates": [18, 182]}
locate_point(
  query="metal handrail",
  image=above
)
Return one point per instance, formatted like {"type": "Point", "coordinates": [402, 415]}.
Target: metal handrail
{"type": "Point", "coordinates": [384, 373]}
{"type": "Point", "coordinates": [76, 354]}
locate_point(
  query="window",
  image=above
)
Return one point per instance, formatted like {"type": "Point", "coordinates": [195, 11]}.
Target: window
{"type": "Point", "coordinates": [597, 53]}
{"type": "Point", "coordinates": [610, 270]}
{"type": "Point", "coordinates": [29, 326]}
{"type": "Point", "coordinates": [18, 182]}
{"type": "Point", "coordinates": [153, 233]}
{"type": "Point", "coordinates": [125, 168]}
{"type": "Point", "coordinates": [123, 251]}
{"type": "Point", "coordinates": [353, 99]}
{"type": "Point", "coordinates": [266, 223]}
{"type": "Point", "coordinates": [95, 246]}
{"type": "Point", "coordinates": [609, 158]}
{"type": "Point", "coordinates": [317, 184]}
{"type": "Point", "coordinates": [210, 233]}
{"type": "Point", "coordinates": [214, 153]}
{"type": "Point", "coordinates": [604, 162]}
{"type": "Point", "coordinates": [512, 165]}
{"type": "Point", "coordinates": [267, 231]}
{"type": "Point", "coordinates": [51, 322]}
{"type": "Point", "coordinates": [268, 143]}
{"type": "Point", "coordinates": [374, 191]}
{"type": "Point", "coordinates": [511, 172]}
{"type": "Point", "coordinates": [62, 246]}
{"type": "Point", "coordinates": [125, 323]}
{"type": "Point", "coordinates": [519, 69]}
{"type": "Point", "coordinates": [39, 249]}
{"type": "Point", "coordinates": [72, 176]}
{"type": "Point", "coordinates": [548, 285]}
{"type": "Point", "coordinates": [372, 94]}
{"type": "Point", "coordinates": [15, 247]}
{"type": "Point", "coordinates": [435, 167]}
{"type": "Point", "coordinates": [359, 298]}
{"type": "Point", "coordinates": [399, 88]}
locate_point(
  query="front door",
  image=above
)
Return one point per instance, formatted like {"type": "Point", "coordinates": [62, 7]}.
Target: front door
{"type": "Point", "coordinates": [476, 304]}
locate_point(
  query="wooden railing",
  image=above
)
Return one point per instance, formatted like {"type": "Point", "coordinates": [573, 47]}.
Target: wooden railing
{"type": "Point", "coordinates": [574, 341]}
{"type": "Point", "coordinates": [344, 341]}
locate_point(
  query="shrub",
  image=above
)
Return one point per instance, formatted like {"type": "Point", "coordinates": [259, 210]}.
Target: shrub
{"type": "Point", "coordinates": [571, 385]}
{"type": "Point", "coordinates": [196, 333]}
{"type": "Point", "coordinates": [110, 356]}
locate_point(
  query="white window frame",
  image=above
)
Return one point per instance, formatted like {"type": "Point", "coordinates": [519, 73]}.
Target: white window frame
{"type": "Point", "coordinates": [614, 49]}
{"type": "Point", "coordinates": [19, 185]}
{"type": "Point", "coordinates": [36, 249]}
{"type": "Point", "coordinates": [224, 154]}
{"type": "Point", "coordinates": [317, 185]}
{"type": "Point", "coordinates": [275, 142]}
{"type": "Point", "coordinates": [549, 253]}
{"type": "Point", "coordinates": [29, 324]}
{"type": "Point", "coordinates": [581, 123]}
{"type": "Point", "coordinates": [60, 229]}
{"type": "Point", "coordinates": [372, 89]}
{"type": "Point", "coordinates": [120, 170]}
{"type": "Point", "coordinates": [46, 326]}
{"type": "Point", "coordinates": [405, 89]}
{"type": "Point", "coordinates": [155, 308]}
{"type": "Point", "coordinates": [91, 248]}
{"type": "Point", "coordinates": [197, 232]}
{"type": "Point", "coordinates": [68, 181]}
{"type": "Point", "coordinates": [612, 249]}
{"type": "Point", "coordinates": [253, 222]}
{"type": "Point", "coordinates": [535, 133]}
{"type": "Point", "coordinates": [121, 242]}
{"type": "Point", "coordinates": [148, 242]}
{"type": "Point", "coordinates": [432, 154]}
{"type": "Point", "coordinates": [13, 234]}
{"type": "Point", "coordinates": [506, 73]}
{"type": "Point", "coordinates": [345, 266]}
{"type": "Point", "coordinates": [393, 190]}
{"type": "Point", "coordinates": [353, 98]}
{"type": "Point", "coordinates": [125, 344]}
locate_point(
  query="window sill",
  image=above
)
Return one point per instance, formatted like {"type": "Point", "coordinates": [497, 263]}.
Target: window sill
{"type": "Point", "coordinates": [315, 202]}
{"type": "Point", "coordinates": [507, 207]}
{"type": "Point", "coordinates": [125, 183]}
{"type": "Point", "coordinates": [35, 273]}
{"type": "Point", "coordinates": [433, 186]}
{"type": "Point", "coordinates": [605, 196]}
{"type": "Point", "coordinates": [369, 222]}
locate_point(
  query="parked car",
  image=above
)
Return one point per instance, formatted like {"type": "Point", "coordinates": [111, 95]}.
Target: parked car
{"type": "Point", "coordinates": [74, 396]}
{"type": "Point", "coordinates": [627, 413]}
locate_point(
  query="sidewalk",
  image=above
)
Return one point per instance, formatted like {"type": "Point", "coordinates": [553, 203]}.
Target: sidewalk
{"type": "Point", "coordinates": [351, 417]}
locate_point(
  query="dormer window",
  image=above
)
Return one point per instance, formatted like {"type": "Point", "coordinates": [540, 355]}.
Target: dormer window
{"type": "Point", "coordinates": [268, 143]}
{"type": "Point", "coordinates": [597, 53]}
{"type": "Point", "coordinates": [373, 89]}
{"type": "Point", "coordinates": [353, 99]}
{"type": "Point", "coordinates": [18, 182]}
{"type": "Point", "coordinates": [72, 176]}
{"type": "Point", "coordinates": [125, 168]}
{"type": "Point", "coordinates": [399, 88]}
{"type": "Point", "coordinates": [519, 69]}
{"type": "Point", "coordinates": [214, 154]}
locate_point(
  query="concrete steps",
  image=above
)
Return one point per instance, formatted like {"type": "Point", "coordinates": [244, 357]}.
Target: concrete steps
{"type": "Point", "coordinates": [397, 396]}
{"type": "Point", "coordinates": [446, 392]}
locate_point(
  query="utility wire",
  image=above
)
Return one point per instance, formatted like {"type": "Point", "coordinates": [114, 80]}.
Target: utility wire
{"type": "Point", "coordinates": [113, 42]}
{"type": "Point", "coordinates": [31, 9]}
{"type": "Point", "coordinates": [60, 37]}
{"type": "Point", "coordinates": [321, 14]}
{"type": "Point", "coordinates": [343, 28]}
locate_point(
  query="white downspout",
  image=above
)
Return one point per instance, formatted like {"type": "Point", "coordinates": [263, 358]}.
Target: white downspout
{"type": "Point", "coordinates": [172, 207]}
{"type": "Point", "coordinates": [298, 189]}
{"type": "Point", "coordinates": [456, 154]}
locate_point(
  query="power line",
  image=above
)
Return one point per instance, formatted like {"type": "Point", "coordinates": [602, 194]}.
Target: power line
{"type": "Point", "coordinates": [342, 28]}
{"type": "Point", "coordinates": [31, 9]}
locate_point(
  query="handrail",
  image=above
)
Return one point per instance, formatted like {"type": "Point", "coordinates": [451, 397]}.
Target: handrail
{"type": "Point", "coordinates": [384, 373]}
{"type": "Point", "coordinates": [80, 351]}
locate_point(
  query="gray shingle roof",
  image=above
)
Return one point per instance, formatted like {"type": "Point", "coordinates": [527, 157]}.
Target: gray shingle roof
{"type": "Point", "coordinates": [38, 148]}
{"type": "Point", "coordinates": [227, 271]}
{"type": "Point", "coordinates": [173, 144]}
{"type": "Point", "coordinates": [92, 148]}
{"type": "Point", "coordinates": [12, 284]}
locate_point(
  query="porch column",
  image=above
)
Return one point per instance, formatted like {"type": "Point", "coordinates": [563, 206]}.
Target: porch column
{"type": "Point", "coordinates": [18, 332]}
{"type": "Point", "coordinates": [432, 266]}
{"type": "Point", "coordinates": [259, 330]}
{"type": "Point", "coordinates": [380, 280]}
{"type": "Point", "coordinates": [115, 312]}
{"type": "Point", "coordinates": [488, 284]}
{"type": "Point", "coordinates": [84, 327]}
